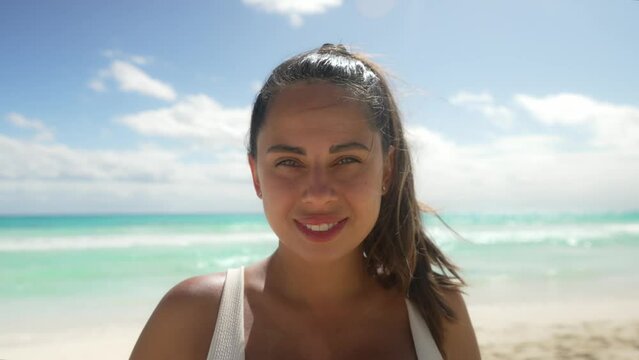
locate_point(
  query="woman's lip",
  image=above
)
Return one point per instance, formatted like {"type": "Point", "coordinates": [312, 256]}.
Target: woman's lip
{"type": "Point", "coordinates": [319, 219]}
{"type": "Point", "coordinates": [321, 236]}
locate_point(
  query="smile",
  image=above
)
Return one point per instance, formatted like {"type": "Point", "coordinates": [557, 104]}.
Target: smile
{"type": "Point", "coordinates": [320, 227]}
{"type": "Point", "coordinates": [321, 230]}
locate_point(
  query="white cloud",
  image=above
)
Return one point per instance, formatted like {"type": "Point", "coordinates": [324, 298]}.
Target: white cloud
{"type": "Point", "coordinates": [53, 177]}
{"type": "Point", "coordinates": [43, 133]}
{"type": "Point", "coordinates": [97, 85]}
{"type": "Point", "coordinates": [484, 103]}
{"type": "Point", "coordinates": [294, 9]}
{"type": "Point", "coordinates": [534, 171]}
{"type": "Point", "coordinates": [22, 160]}
{"type": "Point", "coordinates": [195, 117]}
{"type": "Point", "coordinates": [510, 173]}
{"type": "Point", "coordinates": [131, 78]}
{"type": "Point", "coordinates": [613, 126]}
{"type": "Point", "coordinates": [521, 173]}
{"type": "Point", "coordinates": [465, 97]}
{"type": "Point", "coordinates": [82, 197]}
{"type": "Point", "coordinates": [138, 59]}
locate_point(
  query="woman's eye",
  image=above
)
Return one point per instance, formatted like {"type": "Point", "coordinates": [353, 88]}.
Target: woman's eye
{"type": "Point", "coordinates": [347, 160]}
{"type": "Point", "coordinates": [287, 162]}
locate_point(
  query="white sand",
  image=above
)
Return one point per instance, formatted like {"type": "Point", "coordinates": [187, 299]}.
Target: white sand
{"type": "Point", "coordinates": [96, 343]}
{"type": "Point", "coordinates": [577, 330]}
{"type": "Point", "coordinates": [607, 329]}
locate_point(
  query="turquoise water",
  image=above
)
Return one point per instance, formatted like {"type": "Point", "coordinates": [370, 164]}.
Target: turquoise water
{"type": "Point", "coordinates": [124, 263]}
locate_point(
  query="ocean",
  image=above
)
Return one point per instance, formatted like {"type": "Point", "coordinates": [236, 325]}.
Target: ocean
{"type": "Point", "coordinates": [84, 269]}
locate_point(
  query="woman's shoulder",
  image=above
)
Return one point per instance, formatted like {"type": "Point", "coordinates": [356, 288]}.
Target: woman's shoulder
{"type": "Point", "coordinates": [182, 324]}
{"type": "Point", "coordinates": [194, 290]}
{"type": "Point", "coordinates": [460, 341]}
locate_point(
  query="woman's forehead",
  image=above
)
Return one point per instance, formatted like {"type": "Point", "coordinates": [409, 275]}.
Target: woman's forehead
{"type": "Point", "coordinates": [302, 97]}
{"type": "Point", "coordinates": [318, 113]}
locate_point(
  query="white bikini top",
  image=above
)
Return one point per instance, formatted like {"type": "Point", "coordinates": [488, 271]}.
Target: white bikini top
{"type": "Point", "coordinates": [228, 337]}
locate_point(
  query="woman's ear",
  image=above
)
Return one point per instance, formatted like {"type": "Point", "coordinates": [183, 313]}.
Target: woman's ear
{"type": "Point", "coordinates": [389, 166]}
{"type": "Point", "coordinates": [256, 180]}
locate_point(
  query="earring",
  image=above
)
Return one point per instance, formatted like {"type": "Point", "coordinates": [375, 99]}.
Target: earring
{"type": "Point", "coordinates": [259, 194]}
{"type": "Point", "coordinates": [383, 189]}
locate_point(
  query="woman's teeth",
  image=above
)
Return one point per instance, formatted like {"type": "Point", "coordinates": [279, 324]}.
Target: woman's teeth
{"type": "Point", "coordinates": [320, 227]}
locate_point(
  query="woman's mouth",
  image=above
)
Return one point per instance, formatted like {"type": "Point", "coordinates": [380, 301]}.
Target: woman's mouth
{"type": "Point", "coordinates": [320, 227]}
{"type": "Point", "coordinates": [320, 231]}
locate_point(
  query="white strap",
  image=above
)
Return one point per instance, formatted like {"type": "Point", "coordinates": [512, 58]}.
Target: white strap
{"type": "Point", "coordinates": [228, 337]}
{"type": "Point", "coordinates": [425, 346]}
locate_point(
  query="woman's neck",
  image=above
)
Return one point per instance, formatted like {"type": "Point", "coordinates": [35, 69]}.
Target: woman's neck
{"type": "Point", "coordinates": [317, 284]}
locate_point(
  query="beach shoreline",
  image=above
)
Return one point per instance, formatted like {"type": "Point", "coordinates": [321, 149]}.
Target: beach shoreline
{"type": "Point", "coordinates": [601, 329]}
{"type": "Point", "coordinates": [539, 286]}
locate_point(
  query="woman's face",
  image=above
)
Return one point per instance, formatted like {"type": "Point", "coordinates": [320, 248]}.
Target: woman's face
{"type": "Point", "coordinates": [320, 169]}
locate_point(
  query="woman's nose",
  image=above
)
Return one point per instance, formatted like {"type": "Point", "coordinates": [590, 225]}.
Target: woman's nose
{"type": "Point", "coordinates": [319, 188]}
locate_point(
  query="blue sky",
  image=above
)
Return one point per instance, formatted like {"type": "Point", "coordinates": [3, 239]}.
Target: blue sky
{"type": "Point", "coordinates": [143, 106]}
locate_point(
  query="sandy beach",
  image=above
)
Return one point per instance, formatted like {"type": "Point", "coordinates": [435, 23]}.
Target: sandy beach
{"type": "Point", "coordinates": [590, 330]}
{"type": "Point", "coordinates": [99, 343]}
{"type": "Point", "coordinates": [607, 329]}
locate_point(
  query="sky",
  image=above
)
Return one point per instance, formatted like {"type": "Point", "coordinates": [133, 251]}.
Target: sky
{"type": "Point", "coordinates": [143, 106]}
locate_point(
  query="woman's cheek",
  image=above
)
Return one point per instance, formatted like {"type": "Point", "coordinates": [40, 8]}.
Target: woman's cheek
{"type": "Point", "coordinates": [365, 179]}
{"type": "Point", "coordinates": [281, 183]}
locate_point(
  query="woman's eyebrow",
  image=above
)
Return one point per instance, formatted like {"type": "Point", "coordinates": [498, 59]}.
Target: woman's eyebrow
{"type": "Point", "coordinates": [285, 149]}
{"type": "Point", "coordinates": [282, 148]}
{"type": "Point", "coordinates": [353, 145]}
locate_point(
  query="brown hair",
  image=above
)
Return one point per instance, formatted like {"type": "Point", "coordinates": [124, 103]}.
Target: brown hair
{"type": "Point", "coordinates": [397, 251]}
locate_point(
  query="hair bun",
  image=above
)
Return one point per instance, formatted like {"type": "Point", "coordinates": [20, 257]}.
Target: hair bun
{"type": "Point", "coordinates": [329, 48]}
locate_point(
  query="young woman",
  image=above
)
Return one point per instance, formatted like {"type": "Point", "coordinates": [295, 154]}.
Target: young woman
{"type": "Point", "coordinates": [354, 275]}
